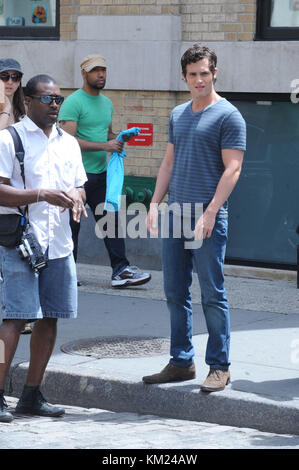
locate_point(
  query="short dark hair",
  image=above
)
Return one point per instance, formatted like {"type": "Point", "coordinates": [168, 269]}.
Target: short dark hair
{"type": "Point", "coordinates": [31, 86]}
{"type": "Point", "coordinates": [198, 52]}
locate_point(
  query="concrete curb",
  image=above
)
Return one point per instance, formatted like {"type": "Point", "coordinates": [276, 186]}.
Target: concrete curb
{"type": "Point", "coordinates": [260, 273]}
{"type": "Point", "coordinates": [230, 407]}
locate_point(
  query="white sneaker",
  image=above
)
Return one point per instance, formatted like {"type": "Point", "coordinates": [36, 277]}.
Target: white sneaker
{"type": "Point", "coordinates": [130, 276]}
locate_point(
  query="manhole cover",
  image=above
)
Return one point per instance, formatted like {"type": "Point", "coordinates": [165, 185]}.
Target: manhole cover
{"type": "Point", "coordinates": [120, 346]}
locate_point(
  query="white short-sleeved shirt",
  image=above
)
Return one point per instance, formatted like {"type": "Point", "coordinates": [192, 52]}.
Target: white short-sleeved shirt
{"type": "Point", "coordinates": [50, 163]}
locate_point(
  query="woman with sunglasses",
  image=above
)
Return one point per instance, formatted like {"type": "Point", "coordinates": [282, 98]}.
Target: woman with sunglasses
{"type": "Point", "coordinates": [12, 107]}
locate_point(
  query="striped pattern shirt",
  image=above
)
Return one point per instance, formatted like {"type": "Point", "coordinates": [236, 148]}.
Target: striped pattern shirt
{"type": "Point", "coordinates": [198, 140]}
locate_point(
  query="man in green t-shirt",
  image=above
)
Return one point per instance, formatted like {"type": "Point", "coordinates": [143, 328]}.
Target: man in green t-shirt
{"type": "Point", "coordinates": [87, 115]}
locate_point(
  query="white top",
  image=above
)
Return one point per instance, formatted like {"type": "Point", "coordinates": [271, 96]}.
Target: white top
{"type": "Point", "coordinates": [50, 163]}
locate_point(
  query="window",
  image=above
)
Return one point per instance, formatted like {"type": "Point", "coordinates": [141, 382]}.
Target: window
{"type": "Point", "coordinates": [277, 20]}
{"type": "Point", "coordinates": [264, 210]}
{"type": "Point", "coordinates": [29, 19]}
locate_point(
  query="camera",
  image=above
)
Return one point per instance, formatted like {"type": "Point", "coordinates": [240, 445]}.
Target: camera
{"type": "Point", "coordinates": [30, 248]}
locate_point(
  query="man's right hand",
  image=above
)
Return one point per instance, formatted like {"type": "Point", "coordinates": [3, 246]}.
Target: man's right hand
{"type": "Point", "coordinates": [152, 219]}
{"type": "Point", "coordinates": [56, 197]}
{"type": "Point", "coordinates": [114, 145]}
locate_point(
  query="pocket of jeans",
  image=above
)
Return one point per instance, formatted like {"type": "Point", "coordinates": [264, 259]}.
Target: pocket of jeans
{"type": "Point", "coordinates": [222, 214]}
{"type": "Point", "coordinates": [221, 229]}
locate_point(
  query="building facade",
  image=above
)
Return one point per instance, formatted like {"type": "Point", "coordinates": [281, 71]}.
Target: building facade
{"type": "Point", "coordinates": [256, 42]}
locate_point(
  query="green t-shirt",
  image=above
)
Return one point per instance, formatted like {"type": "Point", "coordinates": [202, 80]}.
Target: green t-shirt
{"type": "Point", "coordinates": [93, 115]}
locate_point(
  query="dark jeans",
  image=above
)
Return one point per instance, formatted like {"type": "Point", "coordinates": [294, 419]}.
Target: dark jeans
{"type": "Point", "coordinates": [95, 189]}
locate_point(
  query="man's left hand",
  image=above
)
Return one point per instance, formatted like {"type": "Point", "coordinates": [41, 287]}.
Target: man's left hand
{"type": "Point", "coordinates": [79, 207]}
{"type": "Point", "coordinates": [127, 137]}
{"type": "Point", "coordinates": [204, 226]}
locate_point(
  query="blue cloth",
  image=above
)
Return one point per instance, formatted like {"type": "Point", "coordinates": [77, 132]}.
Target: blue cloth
{"type": "Point", "coordinates": [115, 173]}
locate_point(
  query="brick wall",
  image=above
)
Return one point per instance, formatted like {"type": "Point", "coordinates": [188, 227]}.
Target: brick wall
{"type": "Point", "coordinates": [71, 9]}
{"type": "Point", "coordinates": [218, 20]}
{"type": "Point", "coordinates": [144, 107]}
{"type": "Point", "coordinates": [202, 20]}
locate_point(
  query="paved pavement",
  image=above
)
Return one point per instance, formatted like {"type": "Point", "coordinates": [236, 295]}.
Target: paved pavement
{"type": "Point", "coordinates": [92, 428]}
{"type": "Point", "coordinates": [264, 394]}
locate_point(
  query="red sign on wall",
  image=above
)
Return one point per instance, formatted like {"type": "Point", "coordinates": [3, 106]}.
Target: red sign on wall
{"type": "Point", "coordinates": [295, 5]}
{"type": "Point", "coordinates": [146, 134]}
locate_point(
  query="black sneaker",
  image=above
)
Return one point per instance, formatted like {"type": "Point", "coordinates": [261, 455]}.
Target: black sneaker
{"type": "Point", "coordinates": [5, 416]}
{"type": "Point", "coordinates": [130, 276]}
{"type": "Point", "coordinates": [32, 402]}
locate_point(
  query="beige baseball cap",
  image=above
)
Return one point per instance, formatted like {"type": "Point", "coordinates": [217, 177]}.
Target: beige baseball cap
{"type": "Point", "coordinates": [91, 61]}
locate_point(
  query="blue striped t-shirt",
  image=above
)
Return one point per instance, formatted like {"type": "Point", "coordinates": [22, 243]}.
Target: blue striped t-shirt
{"type": "Point", "coordinates": [198, 139]}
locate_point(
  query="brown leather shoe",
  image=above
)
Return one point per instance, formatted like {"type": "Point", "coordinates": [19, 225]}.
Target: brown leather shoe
{"type": "Point", "coordinates": [171, 373]}
{"type": "Point", "coordinates": [216, 380]}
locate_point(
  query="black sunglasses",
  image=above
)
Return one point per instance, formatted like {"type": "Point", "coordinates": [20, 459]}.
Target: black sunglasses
{"type": "Point", "coordinates": [48, 99]}
{"type": "Point", "coordinates": [16, 77]}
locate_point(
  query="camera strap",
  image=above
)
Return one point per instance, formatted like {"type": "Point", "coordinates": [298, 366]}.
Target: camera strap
{"type": "Point", "coordinates": [20, 154]}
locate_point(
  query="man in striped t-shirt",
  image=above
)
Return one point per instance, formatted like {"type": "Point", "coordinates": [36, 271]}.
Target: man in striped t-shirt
{"type": "Point", "coordinates": [202, 164]}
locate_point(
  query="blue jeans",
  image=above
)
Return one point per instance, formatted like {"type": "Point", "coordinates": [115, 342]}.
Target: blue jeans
{"type": "Point", "coordinates": [26, 295]}
{"type": "Point", "coordinates": [178, 269]}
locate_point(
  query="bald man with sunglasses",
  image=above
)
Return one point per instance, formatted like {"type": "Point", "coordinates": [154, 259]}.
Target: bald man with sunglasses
{"type": "Point", "coordinates": [54, 179]}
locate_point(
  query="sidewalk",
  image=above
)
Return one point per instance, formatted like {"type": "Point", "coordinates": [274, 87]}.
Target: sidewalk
{"type": "Point", "coordinates": [264, 393]}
